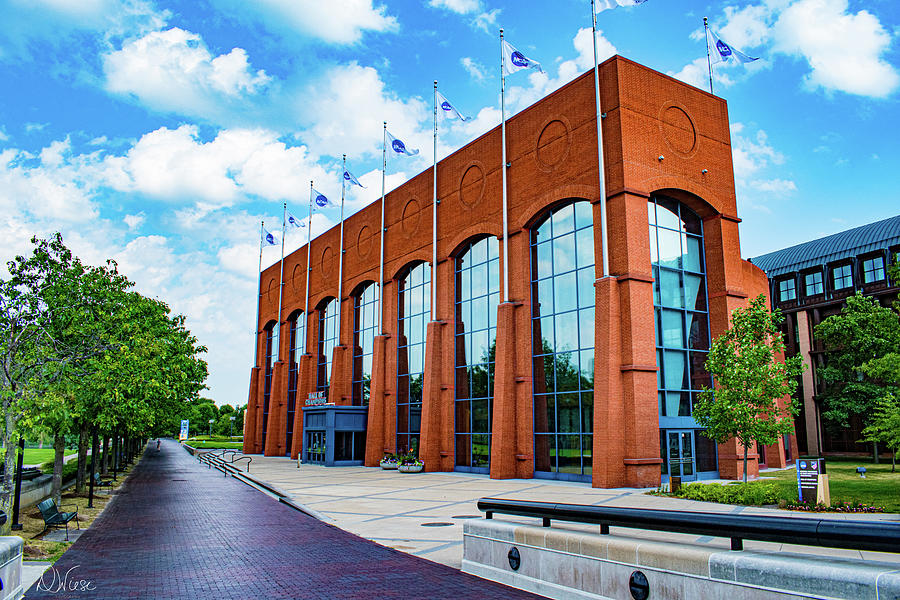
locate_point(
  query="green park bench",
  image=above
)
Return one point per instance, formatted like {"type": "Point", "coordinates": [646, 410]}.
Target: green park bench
{"type": "Point", "coordinates": [99, 483]}
{"type": "Point", "coordinates": [54, 518]}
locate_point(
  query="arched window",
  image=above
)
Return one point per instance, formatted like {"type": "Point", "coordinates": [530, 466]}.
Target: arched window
{"type": "Point", "coordinates": [562, 291]}
{"type": "Point", "coordinates": [477, 296]}
{"type": "Point", "coordinates": [414, 307]}
{"type": "Point", "coordinates": [271, 357]}
{"type": "Point", "coordinates": [328, 336]}
{"type": "Point", "coordinates": [682, 334]}
{"type": "Point", "coordinates": [365, 325]}
{"type": "Point", "coordinates": [298, 345]}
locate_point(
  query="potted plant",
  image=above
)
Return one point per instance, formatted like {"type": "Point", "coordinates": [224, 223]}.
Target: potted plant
{"type": "Point", "coordinates": [390, 461]}
{"type": "Point", "coordinates": [410, 463]}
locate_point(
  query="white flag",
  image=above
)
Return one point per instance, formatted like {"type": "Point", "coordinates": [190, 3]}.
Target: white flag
{"type": "Point", "coordinates": [448, 110]}
{"type": "Point", "coordinates": [513, 60]}
{"type": "Point", "coordinates": [398, 146]}
{"type": "Point", "coordinates": [295, 221]}
{"type": "Point", "coordinates": [724, 52]}
{"type": "Point", "coordinates": [607, 4]}
{"type": "Point", "coordinates": [269, 238]}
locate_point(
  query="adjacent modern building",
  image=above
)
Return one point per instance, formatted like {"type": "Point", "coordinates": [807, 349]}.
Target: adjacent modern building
{"type": "Point", "coordinates": [577, 375]}
{"type": "Point", "coordinates": [809, 283]}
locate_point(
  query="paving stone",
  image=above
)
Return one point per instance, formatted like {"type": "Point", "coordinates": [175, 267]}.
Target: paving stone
{"type": "Point", "coordinates": [185, 531]}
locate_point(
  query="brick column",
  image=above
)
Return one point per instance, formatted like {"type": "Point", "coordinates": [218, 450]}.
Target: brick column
{"type": "Point", "coordinates": [339, 386]}
{"type": "Point", "coordinates": [504, 420]}
{"type": "Point", "coordinates": [250, 413]}
{"type": "Point", "coordinates": [275, 428]}
{"type": "Point", "coordinates": [811, 421]}
{"type": "Point", "coordinates": [609, 442]}
{"type": "Point", "coordinates": [432, 426]}
{"type": "Point", "coordinates": [305, 385]}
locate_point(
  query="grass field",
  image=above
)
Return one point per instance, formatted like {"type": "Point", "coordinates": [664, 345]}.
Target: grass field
{"type": "Point", "coordinates": [879, 488]}
{"type": "Point", "coordinates": [37, 456]}
{"type": "Point", "coordinates": [212, 445]}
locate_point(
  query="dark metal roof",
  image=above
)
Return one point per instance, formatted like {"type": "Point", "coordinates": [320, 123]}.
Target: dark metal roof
{"type": "Point", "coordinates": [853, 242]}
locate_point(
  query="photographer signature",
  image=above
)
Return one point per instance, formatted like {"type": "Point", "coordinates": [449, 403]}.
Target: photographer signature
{"type": "Point", "coordinates": [63, 583]}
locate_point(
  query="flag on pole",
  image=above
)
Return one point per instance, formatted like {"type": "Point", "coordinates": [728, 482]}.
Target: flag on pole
{"type": "Point", "coordinates": [320, 199]}
{"type": "Point", "coordinates": [399, 147]}
{"type": "Point", "coordinates": [295, 221]}
{"type": "Point", "coordinates": [609, 4]}
{"type": "Point", "coordinates": [725, 52]}
{"type": "Point", "coordinates": [448, 110]}
{"type": "Point", "coordinates": [513, 60]}
{"type": "Point", "coordinates": [349, 178]}
{"type": "Point", "coordinates": [269, 238]}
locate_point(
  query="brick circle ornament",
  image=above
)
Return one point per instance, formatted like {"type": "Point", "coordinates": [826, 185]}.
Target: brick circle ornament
{"type": "Point", "coordinates": [471, 186]}
{"type": "Point", "coordinates": [298, 279]}
{"type": "Point", "coordinates": [552, 144]}
{"type": "Point", "coordinates": [327, 262]}
{"type": "Point", "coordinates": [364, 241]}
{"type": "Point", "coordinates": [272, 290]}
{"type": "Point", "coordinates": [678, 129]}
{"type": "Point", "coordinates": [410, 220]}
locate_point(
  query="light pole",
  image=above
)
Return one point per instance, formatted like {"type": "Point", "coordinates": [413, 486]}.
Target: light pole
{"type": "Point", "coordinates": [232, 426]}
{"type": "Point", "coordinates": [210, 427]}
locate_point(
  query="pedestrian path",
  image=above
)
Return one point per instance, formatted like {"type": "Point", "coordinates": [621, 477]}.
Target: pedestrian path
{"type": "Point", "coordinates": [179, 530]}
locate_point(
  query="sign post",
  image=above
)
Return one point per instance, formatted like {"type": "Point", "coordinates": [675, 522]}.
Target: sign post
{"type": "Point", "coordinates": [184, 430]}
{"type": "Point", "coordinates": [812, 481]}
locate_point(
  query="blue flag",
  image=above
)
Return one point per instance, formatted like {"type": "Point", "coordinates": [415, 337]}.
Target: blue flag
{"type": "Point", "coordinates": [269, 238]}
{"type": "Point", "coordinates": [399, 147]}
{"type": "Point", "coordinates": [513, 60]}
{"type": "Point", "coordinates": [294, 221]}
{"type": "Point", "coordinates": [448, 110]}
{"type": "Point", "coordinates": [349, 178]}
{"type": "Point", "coordinates": [725, 53]}
{"type": "Point", "coordinates": [320, 199]}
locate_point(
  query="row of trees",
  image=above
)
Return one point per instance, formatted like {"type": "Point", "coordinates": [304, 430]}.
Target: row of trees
{"type": "Point", "coordinates": [82, 352]}
{"type": "Point", "coordinates": [200, 411]}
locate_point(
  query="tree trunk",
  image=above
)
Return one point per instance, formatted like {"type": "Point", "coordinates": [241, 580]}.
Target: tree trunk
{"type": "Point", "coordinates": [875, 451]}
{"type": "Point", "coordinates": [59, 453]}
{"type": "Point", "coordinates": [6, 498]}
{"type": "Point", "coordinates": [104, 463]}
{"type": "Point", "coordinates": [83, 440]}
{"type": "Point", "coordinates": [894, 461]}
{"type": "Point", "coordinates": [746, 450]}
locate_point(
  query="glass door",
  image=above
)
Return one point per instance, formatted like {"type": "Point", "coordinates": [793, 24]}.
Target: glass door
{"type": "Point", "coordinates": [681, 455]}
{"type": "Point", "coordinates": [315, 447]}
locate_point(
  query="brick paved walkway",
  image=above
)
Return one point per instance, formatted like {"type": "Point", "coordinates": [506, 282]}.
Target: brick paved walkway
{"type": "Point", "coordinates": [179, 530]}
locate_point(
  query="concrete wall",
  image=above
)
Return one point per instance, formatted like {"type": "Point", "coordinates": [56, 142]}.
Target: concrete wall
{"type": "Point", "coordinates": [11, 567]}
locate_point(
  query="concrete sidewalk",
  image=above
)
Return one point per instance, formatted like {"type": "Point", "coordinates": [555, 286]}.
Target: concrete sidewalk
{"type": "Point", "coordinates": [422, 513]}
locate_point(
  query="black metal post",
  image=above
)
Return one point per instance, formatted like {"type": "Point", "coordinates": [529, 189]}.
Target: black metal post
{"type": "Point", "coordinates": [16, 526]}
{"type": "Point", "coordinates": [115, 454]}
{"type": "Point", "coordinates": [94, 452]}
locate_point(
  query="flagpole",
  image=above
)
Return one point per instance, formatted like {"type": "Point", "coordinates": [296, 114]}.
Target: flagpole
{"type": "Point", "coordinates": [308, 267]}
{"type": "Point", "coordinates": [600, 167]}
{"type": "Point", "coordinates": [381, 258]}
{"type": "Point", "coordinates": [262, 226]}
{"type": "Point", "coordinates": [281, 287]}
{"type": "Point", "coordinates": [503, 169]}
{"type": "Point", "coordinates": [708, 62]}
{"type": "Point", "coordinates": [434, 217]}
{"type": "Point", "coordinates": [341, 263]}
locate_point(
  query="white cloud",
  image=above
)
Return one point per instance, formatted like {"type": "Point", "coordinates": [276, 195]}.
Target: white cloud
{"type": "Point", "coordinates": [459, 6]}
{"type": "Point", "coordinates": [774, 186]}
{"type": "Point", "coordinates": [135, 221]}
{"type": "Point", "coordinates": [751, 153]}
{"type": "Point", "coordinates": [844, 50]}
{"type": "Point", "coordinates": [483, 19]}
{"type": "Point", "coordinates": [173, 70]}
{"type": "Point", "coordinates": [475, 69]}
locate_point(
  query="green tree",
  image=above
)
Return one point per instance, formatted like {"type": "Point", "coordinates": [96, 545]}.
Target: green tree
{"type": "Point", "coordinates": [861, 344]}
{"type": "Point", "coordinates": [749, 380]}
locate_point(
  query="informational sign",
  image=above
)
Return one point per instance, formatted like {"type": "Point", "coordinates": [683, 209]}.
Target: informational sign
{"type": "Point", "coordinates": [184, 430]}
{"type": "Point", "coordinates": [812, 482]}
{"type": "Point", "coordinates": [316, 399]}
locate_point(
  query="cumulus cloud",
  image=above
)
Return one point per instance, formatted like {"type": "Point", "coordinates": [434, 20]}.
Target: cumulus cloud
{"type": "Point", "coordinates": [174, 71]}
{"type": "Point", "coordinates": [475, 69]}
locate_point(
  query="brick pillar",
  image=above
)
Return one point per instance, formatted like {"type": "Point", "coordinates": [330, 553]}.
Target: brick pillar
{"type": "Point", "coordinates": [250, 413]}
{"type": "Point", "coordinates": [305, 384]}
{"type": "Point", "coordinates": [375, 433]}
{"type": "Point", "coordinates": [340, 384]}
{"type": "Point", "coordinates": [503, 434]}
{"type": "Point", "coordinates": [811, 422]}
{"type": "Point", "coordinates": [261, 388]}
{"type": "Point", "coordinates": [275, 428]}
{"type": "Point", "coordinates": [609, 442]}
{"type": "Point", "coordinates": [432, 426]}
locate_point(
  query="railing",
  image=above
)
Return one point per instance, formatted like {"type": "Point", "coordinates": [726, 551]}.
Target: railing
{"type": "Point", "coordinates": [249, 460]}
{"type": "Point", "coordinates": [878, 536]}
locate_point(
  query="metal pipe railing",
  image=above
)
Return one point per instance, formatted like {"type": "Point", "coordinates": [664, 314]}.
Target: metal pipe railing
{"type": "Point", "coordinates": [879, 536]}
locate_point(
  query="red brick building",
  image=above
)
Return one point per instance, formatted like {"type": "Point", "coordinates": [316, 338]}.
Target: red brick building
{"type": "Point", "coordinates": [577, 376]}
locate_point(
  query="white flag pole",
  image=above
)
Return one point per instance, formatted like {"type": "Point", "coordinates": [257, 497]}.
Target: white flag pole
{"type": "Point", "coordinates": [381, 258]}
{"type": "Point", "coordinates": [708, 61]}
{"type": "Point", "coordinates": [434, 217]}
{"type": "Point", "coordinates": [281, 287]}
{"type": "Point", "coordinates": [341, 263]}
{"type": "Point", "coordinates": [503, 168]}
{"type": "Point", "coordinates": [308, 266]}
{"type": "Point", "coordinates": [262, 228]}
{"type": "Point", "coordinates": [602, 171]}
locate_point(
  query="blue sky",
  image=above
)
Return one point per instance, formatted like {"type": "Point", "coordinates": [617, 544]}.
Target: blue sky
{"type": "Point", "coordinates": [160, 133]}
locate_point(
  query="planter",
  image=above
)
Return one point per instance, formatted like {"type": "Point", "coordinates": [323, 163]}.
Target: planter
{"type": "Point", "coordinates": [389, 464]}
{"type": "Point", "coordinates": [410, 468]}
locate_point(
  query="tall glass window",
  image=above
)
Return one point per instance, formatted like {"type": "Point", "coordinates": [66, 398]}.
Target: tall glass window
{"type": "Point", "coordinates": [813, 282]}
{"type": "Point", "coordinates": [414, 307]}
{"type": "Point", "coordinates": [298, 343]}
{"type": "Point", "coordinates": [562, 300]}
{"type": "Point", "coordinates": [365, 325]}
{"type": "Point", "coordinates": [477, 296]}
{"type": "Point", "coordinates": [682, 332]}
{"type": "Point", "coordinates": [271, 357]}
{"type": "Point", "coordinates": [328, 336]}
{"type": "Point", "coordinates": [873, 269]}
{"type": "Point", "coordinates": [842, 277]}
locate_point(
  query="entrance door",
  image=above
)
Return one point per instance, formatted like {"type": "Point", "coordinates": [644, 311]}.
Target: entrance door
{"type": "Point", "coordinates": [681, 455]}
{"type": "Point", "coordinates": [315, 447]}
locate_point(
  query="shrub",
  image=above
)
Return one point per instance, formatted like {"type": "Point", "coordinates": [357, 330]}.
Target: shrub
{"type": "Point", "coordinates": [755, 493]}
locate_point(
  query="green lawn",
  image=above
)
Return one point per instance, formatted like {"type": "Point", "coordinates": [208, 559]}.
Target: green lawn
{"type": "Point", "coordinates": [208, 445]}
{"type": "Point", "coordinates": [37, 456]}
{"type": "Point", "coordinates": [879, 488]}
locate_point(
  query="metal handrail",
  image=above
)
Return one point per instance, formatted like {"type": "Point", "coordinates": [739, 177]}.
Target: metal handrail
{"type": "Point", "coordinates": [249, 460]}
{"type": "Point", "coordinates": [879, 536]}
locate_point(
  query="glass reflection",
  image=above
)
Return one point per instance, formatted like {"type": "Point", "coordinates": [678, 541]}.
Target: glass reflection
{"type": "Point", "coordinates": [414, 303]}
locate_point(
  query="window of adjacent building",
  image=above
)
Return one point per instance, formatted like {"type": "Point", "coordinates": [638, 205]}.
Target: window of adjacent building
{"type": "Point", "coordinates": [298, 342]}
{"type": "Point", "coordinates": [787, 290]}
{"type": "Point", "coordinates": [813, 283]}
{"type": "Point", "coordinates": [328, 337]}
{"type": "Point", "coordinates": [414, 305]}
{"type": "Point", "coordinates": [477, 296]}
{"type": "Point", "coordinates": [365, 324]}
{"type": "Point", "coordinates": [842, 277]}
{"type": "Point", "coordinates": [873, 269]}
{"type": "Point", "coordinates": [562, 300]}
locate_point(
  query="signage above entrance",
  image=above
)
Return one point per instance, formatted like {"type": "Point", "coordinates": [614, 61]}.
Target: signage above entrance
{"type": "Point", "coordinates": [316, 399]}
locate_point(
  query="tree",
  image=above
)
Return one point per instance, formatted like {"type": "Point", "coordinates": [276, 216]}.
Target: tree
{"type": "Point", "coordinates": [861, 343]}
{"type": "Point", "coordinates": [749, 380]}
